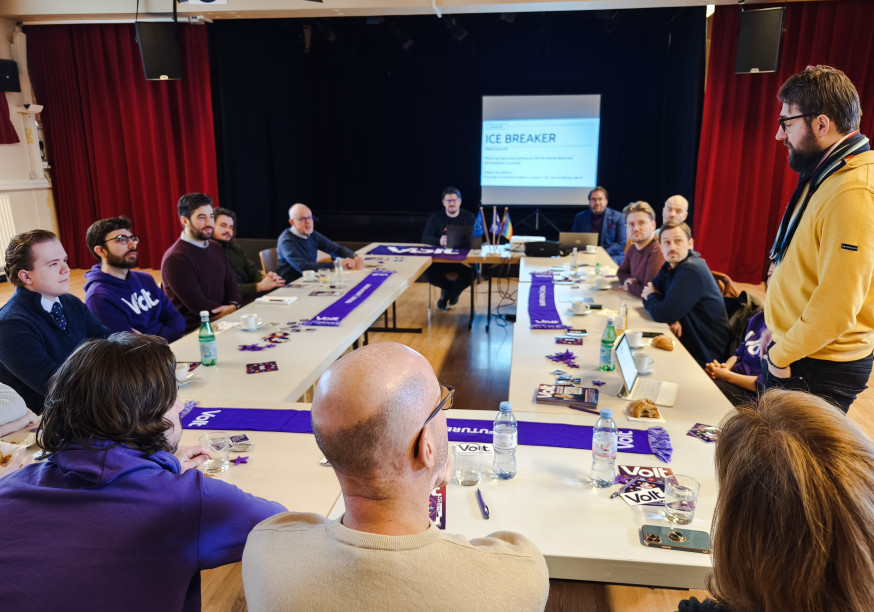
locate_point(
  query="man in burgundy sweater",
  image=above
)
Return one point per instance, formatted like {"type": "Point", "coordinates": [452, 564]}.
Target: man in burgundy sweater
{"type": "Point", "coordinates": [643, 257]}
{"type": "Point", "coordinates": [195, 271]}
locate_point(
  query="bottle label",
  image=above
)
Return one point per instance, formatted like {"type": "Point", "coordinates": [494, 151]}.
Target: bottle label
{"type": "Point", "coordinates": [606, 356]}
{"type": "Point", "coordinates": [605, 444]}
{"type": "Point", "coordinates": [505, 440]}
{"type": "Point", "coordinates": [208, 350]}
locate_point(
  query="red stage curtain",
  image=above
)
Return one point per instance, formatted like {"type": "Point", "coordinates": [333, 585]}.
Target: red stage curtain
{"type": "Point", "coordinates": [743, 180]}
{"type": "Point", "coordinates": [119, 144]}
{"type": "Point", "coordinates": [7, 130]}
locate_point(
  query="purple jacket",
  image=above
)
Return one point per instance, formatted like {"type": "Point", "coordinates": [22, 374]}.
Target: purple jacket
{"type": "Point", "coordinates": [115, 529]}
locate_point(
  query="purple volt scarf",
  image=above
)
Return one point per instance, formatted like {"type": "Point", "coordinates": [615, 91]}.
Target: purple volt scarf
{"type": "Point", "coordinates": [556, 435]}
{"type": "Point", "coordinates": [336, 312]}
{"type": "Point", "coordinates": [421, 251]}
{"type": "Point", "coordinates": [541, 303]}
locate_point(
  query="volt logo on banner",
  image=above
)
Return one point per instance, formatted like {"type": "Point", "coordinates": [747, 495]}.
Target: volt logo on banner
{"type": "Point", "coordinates": [542, 313]}
{"type": "Point", "coordinates": [336, 312]}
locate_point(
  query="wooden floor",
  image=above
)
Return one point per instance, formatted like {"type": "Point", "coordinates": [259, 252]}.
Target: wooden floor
{"type": "Point", "coordinates": [478, 365]}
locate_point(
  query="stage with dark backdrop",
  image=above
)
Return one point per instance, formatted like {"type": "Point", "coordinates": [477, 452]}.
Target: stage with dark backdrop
{"type": "Point", "coordinates": [367, 120]}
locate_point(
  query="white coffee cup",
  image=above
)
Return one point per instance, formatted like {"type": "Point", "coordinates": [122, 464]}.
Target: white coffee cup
{"type": "Point", "coordinates": [309, 275]}
{"type": "Point", "coordinates": [643, 363]}
{"type": "Point", "coordinates": [250, 322]}
{"type": "Point", "coordinates": [579, 307]}
{"type": "Point", "coordinates": [602, 283]}
{"type": "Point", "coordinates": [182, 371]}
{"type": "Point", "coordinates": [635, 338]}
{"type": "Point", "coordinates": [591, 249]}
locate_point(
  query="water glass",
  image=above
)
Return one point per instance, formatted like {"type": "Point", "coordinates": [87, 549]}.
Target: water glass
{"type": "Point", "coordinates": [219, 446]}
{"type": "Point", "coordinates": [468, 464]}
{"type": "Point", "coordinates": [681, 497]}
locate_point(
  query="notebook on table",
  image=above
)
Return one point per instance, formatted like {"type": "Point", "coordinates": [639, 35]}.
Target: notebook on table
{"type": "Point", "coordinates": [661, 392]}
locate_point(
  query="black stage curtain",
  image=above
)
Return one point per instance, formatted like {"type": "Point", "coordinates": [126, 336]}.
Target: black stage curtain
{"type": "Point", "coordinates": [366, 120]}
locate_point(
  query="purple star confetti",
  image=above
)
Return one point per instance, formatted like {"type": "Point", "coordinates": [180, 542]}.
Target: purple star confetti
{"type": "Point", "coordinates": [598, 383]}
{"type": "Point", "coordinates": [252, 347]}
{"type": "Point", "coordinates": [565, 357]}
{"type": "Point", "coordinates": [238, 460]}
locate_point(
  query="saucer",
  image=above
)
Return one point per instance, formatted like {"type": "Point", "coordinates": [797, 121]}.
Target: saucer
{"type": "Point", "coordinates": [644, 372]}
{"type": "Point", "coordinates": [639, 346]}
{"type": "Point", "coordinates": [253, 330]}
{"type": "Point", "coordinates": [580, 314]}
{"type": "Point", "coordinates": [187, 380]}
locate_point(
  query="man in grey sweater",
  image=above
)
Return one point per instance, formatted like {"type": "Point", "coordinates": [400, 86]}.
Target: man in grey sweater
{"type": "Point", "coordinates": [377, 416]}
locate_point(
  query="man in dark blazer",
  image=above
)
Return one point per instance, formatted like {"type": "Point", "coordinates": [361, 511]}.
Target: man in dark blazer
{"type": "Point", "coordinates": [609, 224]}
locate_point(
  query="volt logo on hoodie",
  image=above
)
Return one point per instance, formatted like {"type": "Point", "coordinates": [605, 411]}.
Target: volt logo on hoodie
{"type": "Point", "coordinates": [141, 302]}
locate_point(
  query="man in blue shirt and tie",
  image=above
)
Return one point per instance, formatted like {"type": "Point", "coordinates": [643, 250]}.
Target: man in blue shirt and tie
{"type": "Point", "coordinates": [42, 323]}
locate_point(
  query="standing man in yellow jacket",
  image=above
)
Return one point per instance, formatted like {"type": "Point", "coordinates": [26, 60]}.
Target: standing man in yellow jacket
{"type": "Point", "coordinates": [820, 304]}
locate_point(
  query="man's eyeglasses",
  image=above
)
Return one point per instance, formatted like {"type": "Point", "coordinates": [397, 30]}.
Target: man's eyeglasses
{"type": "Point", "coordinates": [304, 219]}
{"type": "Point", "coordinates": [444, 404]}
{"type": "Point", "coordinates": [122, 239]}
{"type": "Point", "coordinates": [782, 120]}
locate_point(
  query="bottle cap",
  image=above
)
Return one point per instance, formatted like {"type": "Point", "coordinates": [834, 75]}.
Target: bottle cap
{"type": "Point", "coordinates": [611, 320]}
{"type": "Point", "coordinates": [506, 406]}
{"type": "Point", "coordinates": [606, 413]}
{"type": "Point", "coordinates": [204, 313]}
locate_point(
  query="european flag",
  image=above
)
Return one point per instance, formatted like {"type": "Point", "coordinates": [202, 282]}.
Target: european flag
{"type": "Point", "coordinates": [479, 228]}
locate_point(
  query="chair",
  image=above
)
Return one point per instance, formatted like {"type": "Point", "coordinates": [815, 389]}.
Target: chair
{"type": "Point", "coordinates": [269, 260]}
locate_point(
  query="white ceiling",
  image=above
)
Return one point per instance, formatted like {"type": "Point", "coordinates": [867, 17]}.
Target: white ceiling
{"type": "Point", "coordinates": [125, 10]}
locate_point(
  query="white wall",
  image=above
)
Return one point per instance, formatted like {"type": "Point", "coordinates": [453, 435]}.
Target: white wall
{"type": "Point", "coordinates": [25, 192]}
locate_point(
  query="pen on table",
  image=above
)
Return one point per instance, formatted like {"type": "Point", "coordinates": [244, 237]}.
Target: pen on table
{"type": "Point", "coordinates": [624, 487]}
{"type": "Point", "coordinates": [482, 504]}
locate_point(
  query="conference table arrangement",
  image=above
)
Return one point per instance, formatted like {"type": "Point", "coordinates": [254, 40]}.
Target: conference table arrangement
{"type": "Point", "coordinates": [584, 533]}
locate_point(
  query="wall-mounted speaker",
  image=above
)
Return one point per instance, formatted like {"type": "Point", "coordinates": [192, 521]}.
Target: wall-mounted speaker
{"type": "Point", "coordinates": [9, 76]}
{"type": "Point", "coordinates": [758, 41]}
{"type": "Point", "coordinates": [159, 50]}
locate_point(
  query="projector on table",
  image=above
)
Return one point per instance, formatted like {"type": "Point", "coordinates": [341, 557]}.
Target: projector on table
{"type": "Point", "coordinates": [517, 243]}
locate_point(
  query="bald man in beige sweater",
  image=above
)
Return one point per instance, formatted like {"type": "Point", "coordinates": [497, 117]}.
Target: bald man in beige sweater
{"type": "Point", "coordinates": [377, 416]}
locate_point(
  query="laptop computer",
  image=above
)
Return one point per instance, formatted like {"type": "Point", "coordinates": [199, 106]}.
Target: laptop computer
{"type": "Point", "coordinates": [568, 240]}
{"type": "Point", "coordinates": [461, 237]}
{"type": "Point", "coordinates": [661, 392]}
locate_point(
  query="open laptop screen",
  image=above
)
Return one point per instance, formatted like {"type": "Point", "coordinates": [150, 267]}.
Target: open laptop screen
{"type": "Point", "coordinates": [625, 363]}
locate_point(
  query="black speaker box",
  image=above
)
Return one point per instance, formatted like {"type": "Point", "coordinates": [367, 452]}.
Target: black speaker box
{"type": "Point", "coordinates": [159, 50]}
{"type": "Point", "coordinates": [9, 76]}
{"type": "Point", "coordinates": [758, 41]}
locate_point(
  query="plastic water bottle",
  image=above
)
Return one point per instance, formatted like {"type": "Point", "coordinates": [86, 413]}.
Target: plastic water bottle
{"type": "Point", "coordinates": [597, 269]}
{"type": "Point", "coordinates": [605, 441]}
{"type": "Point", "coordinates": [622, 321]}
{"type": "Point", "coordinates": [208, 348]}
{"type": "Point", "coordinates": [574, 262]}
{"type": "Point", "coordinates": [504, 442]}
{"type": "Point", "coordinates": [606, 360]}
{"type": "Point", "coordinates": [339, 276]}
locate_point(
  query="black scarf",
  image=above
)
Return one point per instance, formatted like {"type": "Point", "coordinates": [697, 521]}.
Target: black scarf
{"type": "Point", "coordinates": [811, 178]}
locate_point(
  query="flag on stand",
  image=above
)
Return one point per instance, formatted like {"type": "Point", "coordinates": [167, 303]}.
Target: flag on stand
{"type": "Point", "coordinates": [479, 227]}
{"type": "Point", "coordinates": [496, 225]}
{"type": "Point", "coordinates": [506, 225]}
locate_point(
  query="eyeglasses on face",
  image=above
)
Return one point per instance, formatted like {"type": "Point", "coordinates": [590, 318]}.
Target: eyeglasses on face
{"type": "Point", "coordinates": [304, 219]}
{"type": "Point", "coordinates": [444, 404]}
{"type": "Point", "coordinates": [122, 239]}
{"type": "Point", "coordinates": [782, 120]}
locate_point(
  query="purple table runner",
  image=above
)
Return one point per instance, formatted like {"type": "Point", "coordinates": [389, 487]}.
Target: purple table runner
{"type": "Point", "coordinates": [542, 313]}
{"type": "Point", "coordinates": [556, 435]}
{"type": "Point", "coordinates": [422, 251]}
{"type": "Point", "coordinates": [339, 310]}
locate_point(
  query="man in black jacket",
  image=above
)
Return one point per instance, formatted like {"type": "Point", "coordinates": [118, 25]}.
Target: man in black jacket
{"type": "Point", "coordinates": [250, 277]}
{"type": "Point", "coordinates": [435, 235]}
{"type": "Point", "coordinates": [684, 294]}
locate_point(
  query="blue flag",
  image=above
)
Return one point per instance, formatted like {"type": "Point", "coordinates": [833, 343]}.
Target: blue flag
{"type": "Point", "coordinates": [479, 228]}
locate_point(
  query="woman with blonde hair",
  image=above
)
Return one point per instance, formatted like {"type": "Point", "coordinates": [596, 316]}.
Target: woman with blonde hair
{"type": "Point", "coordinates": [793, 527]}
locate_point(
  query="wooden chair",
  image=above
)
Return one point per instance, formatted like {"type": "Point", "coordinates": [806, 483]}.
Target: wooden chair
{"type": "Point", "coordinates": [269, 260]}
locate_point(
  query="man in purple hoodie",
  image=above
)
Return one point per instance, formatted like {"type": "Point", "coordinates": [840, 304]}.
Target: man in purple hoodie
{"type": "Point", "coordinates": [121, 298]}
{"type": "Point", "coordinates": [115, 518]}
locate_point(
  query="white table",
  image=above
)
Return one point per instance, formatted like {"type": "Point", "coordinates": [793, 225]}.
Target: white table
{"type": "Point", "coordinates": [583, 534]}
{"type": "Point", "coordinates": [306, 355]}
{"type": "Point", "coordinates": [282, 467]}
{"type": "Point", "coordinates": [585, 264]}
